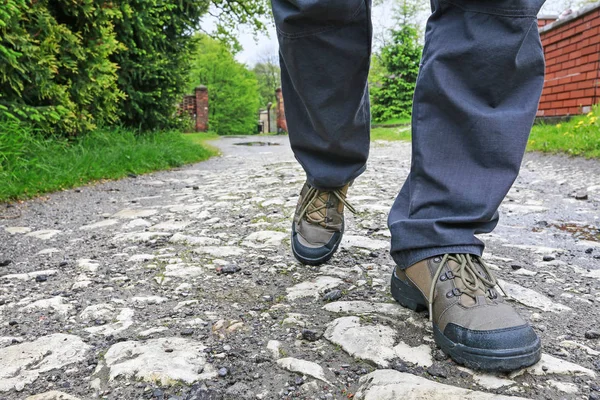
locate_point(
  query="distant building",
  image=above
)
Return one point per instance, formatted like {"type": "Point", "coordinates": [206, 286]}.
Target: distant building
{"type": "Point", "coordinates": [572, 49]}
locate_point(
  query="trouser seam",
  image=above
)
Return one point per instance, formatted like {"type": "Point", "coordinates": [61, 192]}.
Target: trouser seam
{"type": "Point", "coordinates": [499, 12]}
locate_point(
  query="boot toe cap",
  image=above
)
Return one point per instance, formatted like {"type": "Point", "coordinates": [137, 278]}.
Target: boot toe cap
{"type": "Point", "coordinates": [511, 339]}
{"type": "Point", "coordinates": [315, 255]}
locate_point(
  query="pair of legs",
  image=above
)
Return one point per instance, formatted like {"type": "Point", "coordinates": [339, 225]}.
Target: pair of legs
{"type": "Point", "coordinates": [481, 76]}
{"type": "Point", "coordinates": [477, 93]}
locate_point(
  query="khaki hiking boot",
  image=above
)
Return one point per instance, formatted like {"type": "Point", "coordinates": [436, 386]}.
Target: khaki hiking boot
{"type": "Point", "coordinates": [471, 322]}
{"type": "Point", "coordinates": [318, 224]}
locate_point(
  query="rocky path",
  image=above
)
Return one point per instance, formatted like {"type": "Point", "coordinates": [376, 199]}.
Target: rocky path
{"type": "Point", "coordinates": [180, 285]}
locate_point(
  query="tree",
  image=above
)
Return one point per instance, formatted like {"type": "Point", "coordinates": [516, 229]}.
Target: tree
{"type": "Point", "coordinates": [55, 71]}
{"type": "Point", "coordinates": [154, 66]}
{"type": "Point", "coordinates": [268, 74]}
{"type": "Point", "coordinates": [392, 92]}
{"type": "Point", "coordinates": [67, 66]}
{"type": "Point", "coordinates": [232, 88]}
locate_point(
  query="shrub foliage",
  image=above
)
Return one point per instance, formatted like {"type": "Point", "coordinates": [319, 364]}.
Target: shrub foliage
{"type": "Point", "coordinates": [233, 93]}
{"type": "Point", "coordinates": [393, 88]}
{"type": "Point", "coordinates": [68, 66]}
{"type": "Point", "coordinates": [54, 64]}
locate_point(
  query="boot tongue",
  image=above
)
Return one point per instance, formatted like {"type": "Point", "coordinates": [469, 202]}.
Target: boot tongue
{"type": "Point", "coordinates": [320, 201]}
{"type": "Point", "coordinates": [468, 298]}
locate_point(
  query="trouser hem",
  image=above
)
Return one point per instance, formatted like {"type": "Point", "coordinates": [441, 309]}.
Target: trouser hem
{"type": "Point", "coordinates": [407, 258]}
{"type": "Point", "coordinates": [318, 185]}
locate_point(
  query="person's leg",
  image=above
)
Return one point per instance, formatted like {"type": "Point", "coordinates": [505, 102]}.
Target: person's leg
{"type": "Point", "coordinates": [476, 97]}
{"type": "Point", "coordinates": [325, 48]}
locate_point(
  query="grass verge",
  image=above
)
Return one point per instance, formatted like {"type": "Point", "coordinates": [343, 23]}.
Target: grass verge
{"type": "Point", "coordinates": [578, 137]}
{"type": "Point", "coordinates": [31, 165]}
{"type": "Point", "coordinates": [391, 134]}
{"type": "Point", "coordinates": [394, 121]}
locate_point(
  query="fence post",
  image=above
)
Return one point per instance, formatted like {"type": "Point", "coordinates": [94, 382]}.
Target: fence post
{"type": "Point", "coordinates": [201, 93]}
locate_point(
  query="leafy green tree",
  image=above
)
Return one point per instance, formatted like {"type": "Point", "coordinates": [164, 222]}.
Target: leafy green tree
{"type": "Point", "coordinates": [55, 71]}
{"type": "Point", "coordinates": [395, 75]}
{"type": "Point", "coordinates": [154, 66]}
{"type": "Point", "coordinates": [268, 74]}
{"type": "Point", "coordinates": [69, 66]}
{"type": "Point", "coordinates": [232, 88]}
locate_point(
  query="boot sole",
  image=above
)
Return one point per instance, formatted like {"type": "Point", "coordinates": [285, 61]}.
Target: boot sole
{"type": "Point", "coordinates": [314, 261]}
{"type": "Point", "coordinates": [475, 358]}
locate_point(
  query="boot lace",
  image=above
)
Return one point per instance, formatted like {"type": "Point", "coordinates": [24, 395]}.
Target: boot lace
{"type": "Point", "coordinates": [310, 208]}
{"type": "Point", "coordinates": [470, 275]}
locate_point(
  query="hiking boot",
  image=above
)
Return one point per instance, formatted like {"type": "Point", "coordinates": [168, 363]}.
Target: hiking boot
{"type": "Point", "coordinates": [318, 224]}
{"type": "Point", "coordinates": [471, 322]}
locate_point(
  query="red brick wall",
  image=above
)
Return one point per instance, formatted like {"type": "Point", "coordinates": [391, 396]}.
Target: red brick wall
{"type": "Point", "coordinates": [196, 106]}
{"type": "Point", "coordinates": [281, 121]}
{"type": "Point", "coordinates": [201, 109]}
{"type": "Point", "coordinates": [543, 21]}
{"type": "Point", "coordinates": [572, 50]}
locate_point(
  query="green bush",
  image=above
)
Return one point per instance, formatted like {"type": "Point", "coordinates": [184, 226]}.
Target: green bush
{"type": "Point", "coordinates": [69, 66]}
{"type": "Point", "coordinates": [154, 66]}
{"type": "Point", "coordinates": [393, 83]}
{"type": "Point", "coordinates": [232, 88]}
{"type": "Point", "coordinates": [54, 63]}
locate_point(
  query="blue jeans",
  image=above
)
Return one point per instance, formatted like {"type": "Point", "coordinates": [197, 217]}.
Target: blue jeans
{"type": "Point", "coordinates": [479, 84]}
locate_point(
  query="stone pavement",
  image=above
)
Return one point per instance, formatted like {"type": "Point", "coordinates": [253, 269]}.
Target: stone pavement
{"type": "Point", "coordinates": [181, 285]}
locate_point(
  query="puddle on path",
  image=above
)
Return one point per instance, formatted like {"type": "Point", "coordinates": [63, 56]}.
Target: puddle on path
{"type": "Point", "coordinates": [257, 144]}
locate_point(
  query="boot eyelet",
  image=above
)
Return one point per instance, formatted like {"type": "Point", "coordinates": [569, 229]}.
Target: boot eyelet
{"type": "Point", "coordinates": [450, 294]}
{"type": "Point", "coordinates": [443, 277]}
{"type": "Point", "coordinates": [456, 292]}
{"type": "Point", "coordinates": [437, 259]}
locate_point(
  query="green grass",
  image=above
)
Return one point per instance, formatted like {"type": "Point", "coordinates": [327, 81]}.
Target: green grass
{"type": "Point", "coordinates": [395, 121]}
{"type": "Point", "coordinates": [31, 165]}
{"type": "Point", "coordinates": [578, 137]}
{"type": "Point", "coordinates": [390, 134]}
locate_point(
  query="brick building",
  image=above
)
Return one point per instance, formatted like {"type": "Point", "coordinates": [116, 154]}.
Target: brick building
{"type": "Point", "coordinates": [572, 50]}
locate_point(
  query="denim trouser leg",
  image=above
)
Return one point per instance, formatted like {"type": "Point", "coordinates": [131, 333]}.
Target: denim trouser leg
{"type": "Point", "coordinates": [325, 48]}
{"type": "Point", "coordinates": [477, 94]}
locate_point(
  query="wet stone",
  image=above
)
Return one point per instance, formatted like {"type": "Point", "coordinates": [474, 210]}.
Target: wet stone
{"type": "Point", "coordinates": [228, 269]}
{"type": "Point", "coordinates": [333, 295]}
{"type": "Point", "coordinates": [310, 335]}
{"type": "Point", "coordinates": [438, 370]}
{"type": "Point", "coordinates": [581, 196]}
{"type": "Point", "coordinates": [592, 334]}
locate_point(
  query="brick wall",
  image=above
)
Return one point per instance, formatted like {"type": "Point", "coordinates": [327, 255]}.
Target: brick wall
{"type": "Point", "coordinates": [572, 50]}
{"type": "Point", "coordinates": [281, 121]}
{"type": "Point", "coordinates": [544, 20]}
{"type": "Point", "coordinates": [196, 106]}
